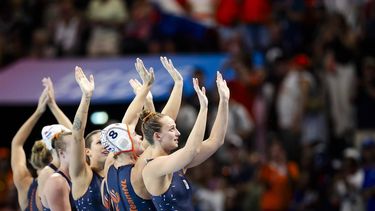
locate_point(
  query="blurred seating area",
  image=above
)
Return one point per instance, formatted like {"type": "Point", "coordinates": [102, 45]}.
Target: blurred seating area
{"type": "Point", "coordinates": [301, 133]}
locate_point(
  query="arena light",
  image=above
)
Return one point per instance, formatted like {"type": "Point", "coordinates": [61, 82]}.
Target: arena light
{"type": "Point", "coordinates": [99, 117]}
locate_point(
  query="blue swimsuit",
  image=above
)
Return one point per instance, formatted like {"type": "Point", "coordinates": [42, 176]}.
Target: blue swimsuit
{"type": "Point", "coordinates": [122, 192]}
{"type": "Point", "coordinates": [52, 167]}
{"type": "Point", "coordinates": [178, 196]}
{"type": "Point", "coordinates": [31, 196]}
{"type": "Point", "coordinates": [91, 200]}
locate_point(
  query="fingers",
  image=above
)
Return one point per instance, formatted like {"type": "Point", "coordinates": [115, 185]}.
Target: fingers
{"type": "Point", "coordinates": [49, 82]}
{"type": "Point", "coordinates": [136, 65]}
{"type": "Point", "coordinates": [141, 64]}
{"type": "Point", "coordinates": [164, 61]}
{"type": "Point", "coordinates": [78, 73]}
{"type": "Point", "coordinates": [44, 99]}
{"type": "Point", "coordinates": [92, 79]}
{"type": "Point", "coordinates": [171, 64]}
{"type": "Point", "coordinates": [44, 96]}
{"type": "Point", "coordinates": [196, 86]}
{"type": "Point", "coordinates": [141, 69]}
{"type": "Point", "coordinates": [222, 87]}
{"type": "Point", "coordinates": [195, 83]}
{"type": "Point", "coordinates": [219, 76]}
{"type": "Point", "coordinates": [137, 82]}
{"type": "Point", "coordinates": [44, 92]}
{"type": "Point", "coordinates": [45, 82]}
{"type": "Point", "coordinates": [168, 65]}
{"type": "Point", "coordinates": [151, 76]}
{"type": "Point", "coordinates": [134, 85]}
{"type": "Point", "coordinates": [219, 80]}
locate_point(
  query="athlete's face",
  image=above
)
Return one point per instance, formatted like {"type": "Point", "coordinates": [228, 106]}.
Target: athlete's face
{"type": "Point", "coordinates": [97, 152]}
{"type": "Point", "coordinates": [169, 134]}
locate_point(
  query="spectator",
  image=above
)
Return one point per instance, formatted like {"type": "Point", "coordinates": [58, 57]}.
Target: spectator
{"type": "Point", "coordinates": [67, 30]}
{"type": "Point", "coordinates": [106, 18]}
{"type": "Point", "coordinates": [349, 182]}
{"type": "Point", "coordinates": [291, 102]}
{"type": "Point", "coordinates": [278, 175]}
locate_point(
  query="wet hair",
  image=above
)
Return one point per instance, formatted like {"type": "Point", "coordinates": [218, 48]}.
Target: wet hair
{"type": "Point", "coordinates": [40, 155]}
{"type": "Point", "coordinates": [150, 124]}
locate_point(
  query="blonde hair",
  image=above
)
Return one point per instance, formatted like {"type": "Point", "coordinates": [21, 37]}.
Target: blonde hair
{"type": "Point", "coordinates": [40, 155]}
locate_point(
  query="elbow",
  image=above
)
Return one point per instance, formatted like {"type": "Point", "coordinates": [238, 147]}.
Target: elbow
{"type": "Point", "coordinates": [218, 140]}
{"type": "Point", "coordinates": [221, 142]}
{"type": "Point", "coordinates": [191, 153]}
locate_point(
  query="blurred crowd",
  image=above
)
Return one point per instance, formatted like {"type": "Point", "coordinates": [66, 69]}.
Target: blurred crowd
{"type": "Point", "coordinates": [301, 133]}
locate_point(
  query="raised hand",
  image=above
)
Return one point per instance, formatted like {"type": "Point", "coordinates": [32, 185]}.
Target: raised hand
{"type": "Point", "coordinates": [47, 83]}
{"type": "Point", "coordinates": [42, 103]}
{"type": "Point", "coordinates": [222, 87]}
{"type": "Point", "coordinates": [147, 76]}
{"type": "Point", "coordinates": [136, 85]}
{"type": "Point", "coordinates": [87, 86]}
{"type": "Point", "coordinates": [167, 63]}
{"type": "Point", "coordinates": [201, 93]}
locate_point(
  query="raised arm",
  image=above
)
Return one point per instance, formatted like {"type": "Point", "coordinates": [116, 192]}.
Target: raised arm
{"type": "Point", "coordinates": [178, 160]}
{"type": "Point", "coordinates": [219, 129]}
{"type": "Point", "coordinates": [132, 112]}
{"type": "Point", "coordinates": [174, 102]}
{"type": "Point", "coordinates": [79, 165]}
{"type": "Point", "coordinates": [148, 103]}
{"type": "Point", "coordinates": [21, 175]}
{"type": "Point", "coordinates": [143, 72]}
{"type": "Point", "coordinates": [56, 111]}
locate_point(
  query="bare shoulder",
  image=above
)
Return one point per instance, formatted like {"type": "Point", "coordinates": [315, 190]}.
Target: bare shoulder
{"type": "Point", "coordinates": [56, 182]}
{"type": "Point", "coordinates": [141, 163]}
{"type": "Point", "coordinates": [44, 174]}
{"type": "Point", "coordinates": [152, 165]}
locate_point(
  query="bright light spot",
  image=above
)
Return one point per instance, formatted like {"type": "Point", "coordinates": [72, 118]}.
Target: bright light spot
{"type": "Point", "coordinates": [99, 118]}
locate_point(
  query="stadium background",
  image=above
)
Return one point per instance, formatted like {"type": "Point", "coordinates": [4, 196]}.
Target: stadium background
{"type": "Point", "coordinates": [301, 73]}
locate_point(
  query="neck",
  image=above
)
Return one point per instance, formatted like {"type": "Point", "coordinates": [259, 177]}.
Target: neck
{"type": "Point", "coordinates": [98, 168]}
{"type": "Point", "coordinates": [38, 171]}
{"type": "Point", "coordinates": [55, 162]}
{"type": "Point", "coordinates": [55, 158]}
{"type": "Point", "coordinates": [125, 158]}
{"type": "Point", "coordinates": [64, 167]}
{"type": "Point", "coordinates": [156, 151]}
{"type": "Point", "coordinates": [146, 155]}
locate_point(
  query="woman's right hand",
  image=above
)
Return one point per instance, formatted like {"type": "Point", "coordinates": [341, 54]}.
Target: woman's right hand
{"type": "Point", "coordinates": [42, 103]}
{"type": "Point", "coordinates": [201, 93]}
{"type": "Point", "coordinates": [147, 76]}
{"type": "Point", "coordinates": [222, 87]}
{"type": "Point", "coordinates": [87, 85]}
{"type": "Point", "coordinates": [47, 83]}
